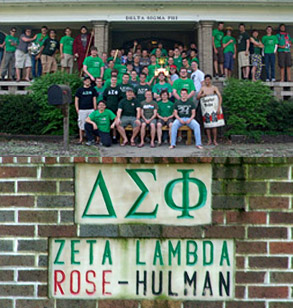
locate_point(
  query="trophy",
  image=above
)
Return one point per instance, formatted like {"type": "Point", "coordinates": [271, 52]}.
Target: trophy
{"type": "Point", "coordinates": [160, 70]}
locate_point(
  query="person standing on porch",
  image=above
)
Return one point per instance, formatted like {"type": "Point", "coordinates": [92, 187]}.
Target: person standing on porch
{"type": "Point", "coordinates": [243, 51]}
{"type": "Point", "coordinates": [284, 54]}
{"type": "Point", "coordinates": [218, 54]}
{"type": "Point", "coordinates": [256, 57]}
{"type": "Point", "coordinates": [81, 46]}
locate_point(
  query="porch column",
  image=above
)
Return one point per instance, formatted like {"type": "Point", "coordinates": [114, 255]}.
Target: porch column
{"type": "Point", "coordinates": [101, 32]}
{"type": "Point", "coordinates": [205, 50]}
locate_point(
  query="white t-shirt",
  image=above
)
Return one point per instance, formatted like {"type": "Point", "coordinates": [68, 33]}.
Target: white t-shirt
{"type": "Point", "coordinates": [197, 77]}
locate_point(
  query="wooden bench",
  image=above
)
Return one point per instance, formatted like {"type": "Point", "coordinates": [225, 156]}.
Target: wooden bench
{"type": "Point", "coordinates": [165, 128]}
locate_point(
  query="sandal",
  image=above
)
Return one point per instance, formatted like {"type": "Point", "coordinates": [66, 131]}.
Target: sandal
{"type": "Point", "coordinates": [124, 144]}
{"type": "Point", "coordinates": [133, 144]}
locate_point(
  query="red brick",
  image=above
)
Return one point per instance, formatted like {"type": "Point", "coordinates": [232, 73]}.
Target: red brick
{"type": "Point", "coordinates": [38, 216]}
{"type": "Point", "coordinates": [281, 218]}
{"type": "Point", "coordinates": [159, 304]}
{"type": "Point", "coordinates": [7, 303]}
{"type": "Point", "coordinates": [22, 160]}
{"type": "Point", "coordinates": [234, 304]}
{"type": "Point", "coordinates": [250, 277]}
{"type": "Point", "coordinates": [107, 160]}
{"type": "Point", "coordinates": [268, 262]}
{"type": "Point", "coordinates": [42, 290]}
{"type": "Point", "coordinates": [37, 186]}
{"type": "Point", "coordinates": [16, 201]}
{"type": "Point", "coordinates": [267, 232]}
{"type": "Point", "coordinates": [64, 160]}
{"type": "Point", "coordinates": [79, 159]}
{"type": "Point", "coordinates": [57, 231]}
{"type": "Point", "coordinates": [281, 304]}
{"type": "Point", "coordinates": [135, 160]}
{"type": "Point", "coordinates": [50, 160]}
{"type": "Point", "coordinates": [179, 160]}
{"type": "Point", "coordinates": [269, 203]}
{"type": "Point", "coordinates": [118, 303]}
{"type": "Point", "coordinates": [281, 188]}
{"type": "Point", "coordinates": [121, 160]}
{"type": "Point", "coordinates": [239, 292]}
{"type": "Point", "coordinates": [18, 260]}
{"type": "Point", "coordinates": [95, 160]}
{"type": "Point", "coordinates": [268, 292]}
{"type": "Point", "coordinates": [251, 247]}
{"type": "Point", "coordinates": [16, 290]}
{"type": "Point", "coordinates": [240, 262]}
{"type": "Point", "coordinates": [7, 160]}
{"type": "Point", "coordinates": [218, 217]}
{"type": "Point", "coordinates": [225, 232]}
{"type": "Point", "coordinates": [148, 160]}
{"type": "Point", "coordinates": [202, 304]}
{"type": "Point", "coordinates": [164, 160]}
{"type": "Point", "coordinates": [18, 172]}
{"type": "Point", "coordinates": [7, 186]}
{"type": "Point", "coordinates": [6, 275]}
{"type": "Point", "coordinates": [206, 159]}
{"type": "Point", "coordinates": [181, 232]}
{"type": "Point", "coordinates": [281, 277]}
{"type": "Point", "coordinates": [16, 230]}
{"type": "Point", "coordinates": [32, 275]}
{"type": "Point", "coordinates": [281, 248]}
{"type": "Point", "coordinates": [36, 159]}
{"type": "Point", "coordinates": [246, 218]}
{"type": "Point", "coordinates": [34, 303]}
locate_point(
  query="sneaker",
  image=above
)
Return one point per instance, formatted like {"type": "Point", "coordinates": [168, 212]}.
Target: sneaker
{"type": "Point", "coordinates": [274, 79]}
{"type": "Point", "coordinates": [267, 80]}
{"type": "Point", "coordinates": [89, 143]}
{"type": "Point", "coordinates": [217, 76]}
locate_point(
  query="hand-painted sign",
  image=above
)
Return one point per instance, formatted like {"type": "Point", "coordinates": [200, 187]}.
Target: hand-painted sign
{"type": "Point", "coordinates": [186, 269]}
{"type": "Point", "coordinates": [156, 194]}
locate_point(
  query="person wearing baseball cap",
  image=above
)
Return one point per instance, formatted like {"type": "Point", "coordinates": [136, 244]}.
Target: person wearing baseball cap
{"type": "Point", "coordinates": [128, 114]}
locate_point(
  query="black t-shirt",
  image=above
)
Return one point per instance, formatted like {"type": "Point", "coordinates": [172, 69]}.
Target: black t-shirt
{"type": "Point", "coordinates": [124, 87]}
{"type": "Point", "coordinates": [112, 96]}
{"type": "Point", "coordinates": [129, 107]}
{"type": "Point", "coordinates": [2, 39]}
{"type": "Point", "coordinates": [86, 96]}
{"type": "Point", "coordinates": [140, 91]}
{"type": "Point", "coordinates": [241, 44]}
{"type": "Point", "coordinates": [184, 108]}
{"type": "Point", "coordinates": [50, 46]}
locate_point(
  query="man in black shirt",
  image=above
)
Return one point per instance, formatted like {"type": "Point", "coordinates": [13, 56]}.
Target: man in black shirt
{"type": "Point", "coordinates": [85, 104]}
{"type": "Point", "coordinates": [243, 51]}
{"type": "Point", "coordinates": [48, 52]}
{"type": "Point", "coordinates": [2, 43]}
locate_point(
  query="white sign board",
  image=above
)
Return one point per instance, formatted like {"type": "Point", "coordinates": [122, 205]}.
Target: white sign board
{"type": "Point", "coordinates": [94, 268]}
{"type": "Point", "coordinates": [152, 194]}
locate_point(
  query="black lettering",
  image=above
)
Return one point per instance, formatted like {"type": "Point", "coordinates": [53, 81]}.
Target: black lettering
{"type": "Point", "coordinates": [170, 292]}
{"type": "Point", "coordinates": [207, 284]}
{"type": "Point", "coordinates": [160, 283]}
{"type": "Point", "coordinates": [189, 281]}
{"type": "Point", "coordinates": [225, 284]}
{"type": "Point", "coordinates": [144, 282]}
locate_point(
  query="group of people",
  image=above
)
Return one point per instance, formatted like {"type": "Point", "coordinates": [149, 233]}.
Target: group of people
{"type": "Point", "coordinates": [251, 49]}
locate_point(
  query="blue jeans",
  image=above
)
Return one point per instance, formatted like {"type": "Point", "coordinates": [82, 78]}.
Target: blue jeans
{"type": "Point", "coordinates": [193, 125]}
{"type": "Point", "coordinates": [36, 64]}
{"type": "Point", "coordinates": [270, 60]}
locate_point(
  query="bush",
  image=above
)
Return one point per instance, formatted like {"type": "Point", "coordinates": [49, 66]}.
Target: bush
{"type": "Point", "coordinates": [245, 106]}
{"type": "Point", "coordinates": [19, 115]}
{"type": "Point", "coordinates": [280, 117]}
{"type": "Point", "coordinates": [50, 116]}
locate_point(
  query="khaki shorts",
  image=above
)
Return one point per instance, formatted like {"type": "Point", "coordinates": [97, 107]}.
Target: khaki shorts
{"type": "Point", "coordinates": [67, 60]}
{"type": "Point", "coordinates": [243, 60]}
{"type": "Point", "coordinates": [22, 59]}
{"type": "Point", "coordinates": [49, 64]}
{"type": "Point", "coordinates": [82, 116]}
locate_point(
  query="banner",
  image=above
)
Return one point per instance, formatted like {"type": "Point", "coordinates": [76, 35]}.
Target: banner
{"type": "Point", "coordinates": [209, 106]}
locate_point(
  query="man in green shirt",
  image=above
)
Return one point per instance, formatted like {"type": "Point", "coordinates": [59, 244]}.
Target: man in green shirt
{"type": "Point", "coordinates": [229, 46]}
{"type": "Point", "coordinates": [243, 51]}
{"type": "Point", "coordinates": [10, 46]}
{"type": "Point", "coordinates": [270, 43]}
{"type": "Point", "coordinates": [66, 51]}
{"type": "Point", "coordinates": [160, 86]}
{"type": "Point", "coordinates": [98, 124]}
{"type": "Point", "coordinates": [183, 83]}
{"type": "Point", "coordinates": [218, 53]}
{"type": "Point", "coordinates": [36, 61]}
{"type": "Point", "coordinates": [93, 66]}
{"type": "Point", "coordinates": [284, 54]}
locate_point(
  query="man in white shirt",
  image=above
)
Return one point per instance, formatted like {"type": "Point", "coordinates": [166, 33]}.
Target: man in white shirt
{"type": "Point", "coordinates": [197, 77]}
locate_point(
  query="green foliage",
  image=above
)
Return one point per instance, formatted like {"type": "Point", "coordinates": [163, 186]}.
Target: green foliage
{"type": "Point", "coordinates": [19, 115]}
{"type": "Point", "coordinates": [50, 116]}
{"type": "Point", "coordinates": [280, 117]}
{"type": "Point", "coordinates": [245, 105]}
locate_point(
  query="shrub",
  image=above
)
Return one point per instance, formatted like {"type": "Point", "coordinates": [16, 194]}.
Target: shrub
{"type": "Point", "coordinates": [50, 116]}
{"type": "Point", "coordinates": [246, 107]}
{"type": "Point", "coordinates": [19, 115]}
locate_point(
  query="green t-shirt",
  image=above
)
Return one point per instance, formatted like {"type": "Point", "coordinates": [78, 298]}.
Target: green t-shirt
{"type": "Point", "coordinates": [158, 88]}
{"type": "Point", "coordinates": [195, 60]}
{"type": "Point", "coordinates": [67, 42]}
{"type": "Point", "coordinates": [103, 120]}
{"type": "Point", "coordinates": [152, 69]}
{"type": "Point", "coordinates": [218, 36]}
{"type": "Point", "coordinates": [242, 38]}
{"type": "Point", "coordinates": [184, 108]}
{"type": "Point", "coordinates": [256, 50]}
{"type": "Point", "coordinates": [94, 65]}
{"type": "Point", "coordinates": [164, 52]}
{"type": "Point", "coordinates": [148, 108]}
{"type": "Point", "coordinates": [107, 73]}
{"type": "Point", "coordinates": [269, 41]}
{"type": "Point", "coordinates": [165, 109]}
{"type": "Point", "coordinates": [284, 41]}
{"type": "Point", "coordinates": [11, 39]}
{"type": "Point", "coordinates": [41, 39]}
{"type": "Point", "coordinates": [178, 62]}
{"type": "Point", "coordinates": [100, 92]}
{"type": "Point", "coordinates": [180, 84]}
{"type": "Point", "coordinates": [129, 107]}
{"type": "Point", "coordinates": [230, 47]}
{"type": "Point", "coordinates": [140, 91]}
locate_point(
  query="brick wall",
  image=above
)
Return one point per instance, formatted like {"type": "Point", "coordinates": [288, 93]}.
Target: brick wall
{"type": "Point", "coordinates": [252, 203]}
